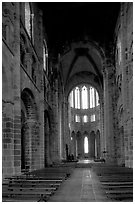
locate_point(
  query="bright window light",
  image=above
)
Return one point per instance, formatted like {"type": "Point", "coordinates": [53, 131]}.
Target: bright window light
{"type": "Point", "coordinates": [28, 18]}
{"type": "Point", "coordinates": [77, 98]}
{"type": "Point", "coordinates": [84, 98]}
{"type": "Point", "coordinates": [97, 99]}
{"type": "Point", "coordinates": [92, 118]}
{"type": "Point", "coordinates": [71, 99]}
{"type": "Point", "coordinates": [77, 118]}
{"type": "Point", "coordinates": [86, 145]}
{"type": "Point", "coordinates": [85, 118]}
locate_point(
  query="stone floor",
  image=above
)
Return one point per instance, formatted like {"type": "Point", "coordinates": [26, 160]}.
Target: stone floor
{"type": "Point", "coordinates": [82, 186]}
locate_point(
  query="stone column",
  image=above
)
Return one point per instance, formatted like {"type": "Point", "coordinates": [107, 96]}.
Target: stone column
{"type": "Point", "coordinates": [75, 146]}
{"type": "Point", "coordinates": [80, 90]}
{"type": "Point", "coordinates": [108, 113]}
{"type": "Point", "coordinates": [127, 82]}
{"type": "Point", "coordinates": [17, 91]}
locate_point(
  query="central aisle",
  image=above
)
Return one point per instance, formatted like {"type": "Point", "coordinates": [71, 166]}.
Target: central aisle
{"type": "Point", "coordinates": [82, 186]}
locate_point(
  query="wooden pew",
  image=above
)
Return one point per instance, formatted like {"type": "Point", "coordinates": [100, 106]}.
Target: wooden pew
{"type": "Point", "coordinates": [116, 182]}
{"type": "Point", "coordinates": [38, 185]}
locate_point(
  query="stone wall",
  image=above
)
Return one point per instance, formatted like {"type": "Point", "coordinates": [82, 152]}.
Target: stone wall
{"type": "Point", "coordinates": [23, 91]}
{"type": "Point", "coordinates": [124, 84]}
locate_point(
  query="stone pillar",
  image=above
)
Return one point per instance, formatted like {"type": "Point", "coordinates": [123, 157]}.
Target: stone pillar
{"type": "Point", "coordinates": [102, 135]}
{"type": "Point", "coordinates": [80, 90]}
{"type": "Point", "coordinates": [74, 146]}
{"type": "Point", "coordinates": [54, 137]}
{"type": "Point", "coordinates": [127, 82]}
{"type": "Point", "coordinates": [17, 90]}
{"type": "Point", "coordinates": [108, 113]}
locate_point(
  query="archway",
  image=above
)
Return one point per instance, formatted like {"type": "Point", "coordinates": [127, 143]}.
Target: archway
{"type": "Point", "coordinates": [29, 131]}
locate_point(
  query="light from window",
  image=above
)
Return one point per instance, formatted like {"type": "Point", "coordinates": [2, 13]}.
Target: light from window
{"type": "Point", "coordinates": [77, 98]}
{"type": "Point", "coordinates": [45, 56]}
{"type": "Point", "coordinates": [84, 98]}
{"type": "Point", "coordinates": [86, 149]}
{"type": "Point", "coordinates": [119, 51]}
{"type": "Point", "coordinates": [28, 18]}
{"type": "Point", "coordinates": [97, 99]}
{"type": "Point", "coordinates": [44, 59]}
{"type": "Point", "coordinates": [92, 97]}
{"type": "Point", "coordinates": [77, 118]}
{"type": "Point", "coordinates": [92, 118]}
{"type": "Point", "coordinates": [85, 118]}
{"type": "Point", "coordinates": [71, 99]}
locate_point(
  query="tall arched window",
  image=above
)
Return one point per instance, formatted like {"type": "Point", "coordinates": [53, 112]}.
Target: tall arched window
{"type": "Point", "coordinates": [92, 97]}
{"type": "Point", "coordinates": [85, 118]}
{"type": "Point", "coordinates": [97, 99]}
{"type": "Point", "coordinates": [77, 118]}
{"type": "Point", "coordinates": [71, 99]}
{"type": "Point", "coordinates": [86, 149]}
{"type": "Point", "coordinates": [29, 19]}
{"type": "Point", "coordinates": [45, 56]}
{"type": "Point", "coordinates": [84, 97]}
{"type": "Point", "coordinates": [77, 98]}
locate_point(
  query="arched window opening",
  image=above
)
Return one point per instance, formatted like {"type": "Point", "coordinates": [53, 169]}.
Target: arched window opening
{"type": "Point", "coordinates": [45, 57]}
{"type": "Point", "coordinates": [97, 99]}
{"type": "Point", "coordinates": [85, 118]}
{"type": "Point", "coordinates": [86, 149]}
{"type": "Point", "coordinates": [84, 98]}
{"type": "Point", "coordinates": [77, 98]}
{"type": "Point", "coordinates": [92, 97]}
{"type": "Point", "coordinates": [29, 19]}
{"type": "Point", "coordinates": [93, 118]}
{"type": "Point", "coordinates": [119, 51]}
{"type": "Point", "coordinates": [71, 99]}
{"type": "Point", "coordinates": [77, 118]}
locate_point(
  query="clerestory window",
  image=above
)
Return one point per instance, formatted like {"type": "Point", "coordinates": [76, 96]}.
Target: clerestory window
{"type": "Point", "coordinates": [84, 97]}
{"type": "Point", "coordinates": [45, 56]}
{"type": "Point", "coordinates": [29, 20]}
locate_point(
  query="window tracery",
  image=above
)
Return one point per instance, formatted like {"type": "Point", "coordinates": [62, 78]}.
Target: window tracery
{"type": "Point", "coordinates": [84, 97]}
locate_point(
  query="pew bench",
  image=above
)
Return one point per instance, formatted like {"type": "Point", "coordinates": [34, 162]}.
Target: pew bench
{"type": "Point", "coordinates": [117, 183]}
{"type": "Point", "coordinates": [121, 197]}
{"type": "Point", "coordinates": [27, 196]}
{"type": "Point", "coordinates": [28, 184]}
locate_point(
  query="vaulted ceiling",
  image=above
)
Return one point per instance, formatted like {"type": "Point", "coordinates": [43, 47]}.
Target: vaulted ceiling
{"type": "Point", "coordinates": [67, 21]}
{"type": "Point", "coordinates": [82, 62]}
{"type": "Point", "coordinates": [67, 24]}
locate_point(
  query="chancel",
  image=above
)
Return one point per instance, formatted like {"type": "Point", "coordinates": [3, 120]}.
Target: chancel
{"type": "Point", "coordinates": [67, 101]}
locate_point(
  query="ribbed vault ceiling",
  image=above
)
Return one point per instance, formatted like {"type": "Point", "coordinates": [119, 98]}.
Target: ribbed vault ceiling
{"type": "Point", "coordinates": [67, 24]}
